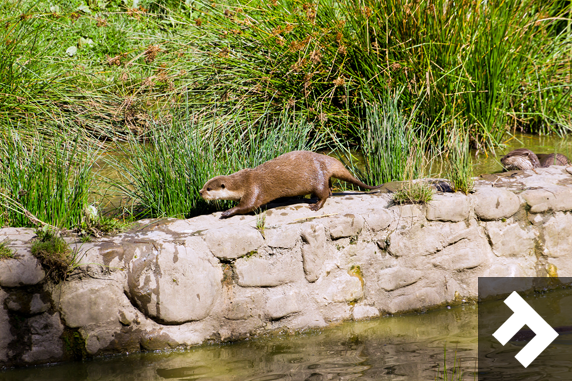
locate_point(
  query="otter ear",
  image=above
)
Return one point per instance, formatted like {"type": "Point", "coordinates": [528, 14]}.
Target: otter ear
{"type": "Point", "coordinates": [222, 186]}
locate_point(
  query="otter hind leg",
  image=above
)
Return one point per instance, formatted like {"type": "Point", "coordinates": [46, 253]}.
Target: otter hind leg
{"type": "Point", "coordinates": [322, 193]}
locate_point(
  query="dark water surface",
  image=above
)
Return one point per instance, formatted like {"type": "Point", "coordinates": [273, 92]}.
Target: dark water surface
{"type": "Point", "coordinates": [392, 348]}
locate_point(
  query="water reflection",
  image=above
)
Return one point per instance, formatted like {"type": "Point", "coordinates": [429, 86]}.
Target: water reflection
{"type": "Point", "coordinates": [393, 348]}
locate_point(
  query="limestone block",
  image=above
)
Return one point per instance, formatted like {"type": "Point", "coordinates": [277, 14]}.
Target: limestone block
{"type": "Point", "coordinates": [424, 240]}
{"type": "Point", "coordinates": [556, 198]}
{"type": "Point", "coordinates": [340, 287]}
{"type": "Point", "coordinates": [46, 342]}
{"type": "Point", "coordinates": [345, 226]}
{"type": "Point", "coordinates": [284, 237]}
{"type": "Point", "coordinates": [23, 270]}
{"type": "Point", "coordinates": [364, 312]}
{"type": "Point", "coordinates": [462, 255]}
{"type": "Point", "coordinates": [398, 277]}
{"type": "Point", "coordinates": [313, 250]}
{"type": "Point", "coordinates": [269, 271]}
{"type": "Point", "coordinates": [510, 240]}
{"type": "Point", "coordinates": [233, 242]}
{"type": "Point", "coordinates": [177, 284]}
{"type": "Point", "coordinates": [495, 203]}
{"type": "Point", "coordinates": [17, 236]}
{"type": "Point", "coordinates": [409, 212]}
{"type": "Point", "coordinates": [448, 207]}
{"type": "Point", "coordinates": [378, 220]}
{"type": "Point", "coordinates": [87, 303]}
{"type": "Point", "coordinates": [558, 236]}
{"type": "Point", "coordinates": [238, 309]}
{"type": "Point", "coordinates": [281, 306]}
{"type": "Point", "coordinates": [418, 299]}
{"type": "Point", "coordinates": [5, 334]}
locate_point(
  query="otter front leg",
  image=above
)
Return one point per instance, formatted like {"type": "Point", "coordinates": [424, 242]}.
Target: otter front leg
{"type": "Point", "coordinates": [243, 207]}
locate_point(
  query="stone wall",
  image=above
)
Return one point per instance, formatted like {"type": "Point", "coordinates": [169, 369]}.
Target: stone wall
{"type": "Point", "coordinates": [178, 283]}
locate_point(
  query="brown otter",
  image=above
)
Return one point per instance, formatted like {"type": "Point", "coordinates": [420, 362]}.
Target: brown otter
{"type": "Point", "coordinates": [295, 173]}
{"type": "Point", "coordinates": [546, 160]}
{"type": "Point", "coordinates": [521, 158]}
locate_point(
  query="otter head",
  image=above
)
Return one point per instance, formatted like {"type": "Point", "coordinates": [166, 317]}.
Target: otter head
{"type": "Point", "coordinates": [220, 188]}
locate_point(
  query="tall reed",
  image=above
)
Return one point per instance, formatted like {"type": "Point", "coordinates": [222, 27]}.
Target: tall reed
{"type": "Point", "coordinates": [163, 175]}
{"type": "Point", "coordinates": [44, 180]}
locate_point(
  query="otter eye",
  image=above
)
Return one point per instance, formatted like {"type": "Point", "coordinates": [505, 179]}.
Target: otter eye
{"type": "Point", "coordinates": [208, 189]}
{"type": "Point", "coordinates": [222, 186]}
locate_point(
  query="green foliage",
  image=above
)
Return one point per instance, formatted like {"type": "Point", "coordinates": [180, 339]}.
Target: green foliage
{"type": "Point", "coordinates": [163, 175]}
{"type": "Point", "coordinates": [53, 252]}
{"type": "Point", "coordinates": [414, 192]}
{"type": "Point", "coordinates": [392, 147]}
{"type": "Point", "coordinates": [5, 251]}
{"type": "Point", "coordinates": [43, 179]}
{"type": "Point", "coordinates": [460, 170]}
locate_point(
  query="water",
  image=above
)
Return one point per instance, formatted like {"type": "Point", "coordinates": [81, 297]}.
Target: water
{"type": "Point", "coordinates": [392, 348]}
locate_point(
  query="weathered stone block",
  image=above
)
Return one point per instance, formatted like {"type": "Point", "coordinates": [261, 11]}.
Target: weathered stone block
{"type": "Point", "coordinates": [284, 237]}
{"type": "Point", "coordinates": [24, 270]}
{"type": "Point", "coordinates": [5, 334]}
{"type": "Point", "coordinates": [510, 240]}
{"type": "Point", "coordinates": [238, 309]}
{"type": "Point", "coordinates": [424, 240]}
{"type": "Point", "coordinates": [556, 198]}
{"type": "Point", "coordinates": [340, 287]}
{"type": "Point", "coordinates": [398, 277]}
{"type": "Point", "coordinates": [177, 284]}
{"type": "Point", "coordinates": [46, 341]}
{"type": "Point", "coordinates": [345, 226]}
{"type": "Point", "coordinates": [281, 306]}
{"type": "Point", "coordinates": [378, 220]}
{"type": "Point", "coordinates": [462, 255]}
{"type": "Point", "coordinates": [269, 271]}
{"type": "Point", "coordinates": [233, 242]}
{"type": "Point", "coordinates": [86, 303]}
{"type": "Point", "coordinates": [364, 312]}
{"type": "Point", "coordinates": [558, 236]}
{"type": "Point", "coordinates": [419, 299]}
{"type": "Point", "coordinates": [495, 203]}
{"type": "Point", "coordinates": [313, 250]}
{"type": "Point", "coordinates": [448, 207]}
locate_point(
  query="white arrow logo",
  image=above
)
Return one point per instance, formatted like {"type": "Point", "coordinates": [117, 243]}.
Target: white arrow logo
{"type": "Point", "coordinates": [523, 315]}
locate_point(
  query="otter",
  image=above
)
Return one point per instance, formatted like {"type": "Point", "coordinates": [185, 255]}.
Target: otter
{"type": "Point", "coordinates": [546, 160]}
{"type": "Point", "coordinates": [523, 158]}
{"type": "Point", "coordinates": [295, 173]}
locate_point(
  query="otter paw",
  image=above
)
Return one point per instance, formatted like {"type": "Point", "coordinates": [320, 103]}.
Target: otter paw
{"type": "Point", "coordinates": [314, 207]}
{"type": "Point", "coordinates": [226, 214]}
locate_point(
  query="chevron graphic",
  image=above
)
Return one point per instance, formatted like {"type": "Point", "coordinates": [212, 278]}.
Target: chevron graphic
{"type": "Point", "coordinates": [523, 315]}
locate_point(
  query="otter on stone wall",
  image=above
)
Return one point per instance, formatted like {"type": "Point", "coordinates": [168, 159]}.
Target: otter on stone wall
{"type": "Point", "coordinates": [523, 158]}
{"type": "Point", "coordinates": [296, 173]}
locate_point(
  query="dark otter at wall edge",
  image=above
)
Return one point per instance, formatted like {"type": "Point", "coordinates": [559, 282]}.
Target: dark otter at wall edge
{"type": "Point", "coordinates": [523, 158]}
{"type": "Point", "coordinates": [546, 160]}
{"type": "Point", "coordinates": [296, 173]}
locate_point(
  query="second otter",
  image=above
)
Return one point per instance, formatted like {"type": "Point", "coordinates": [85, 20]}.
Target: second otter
{"type": "Point", "coordinates": [295, 173]}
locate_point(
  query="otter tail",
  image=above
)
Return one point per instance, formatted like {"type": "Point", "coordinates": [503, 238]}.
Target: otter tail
{"type": "Point", "coordinates": [345, 175]}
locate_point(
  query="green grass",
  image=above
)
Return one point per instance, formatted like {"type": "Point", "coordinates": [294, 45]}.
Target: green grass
{"type": "Point", "coordinates": [414, 192]}
{"type": "Point", "coordinates": [53, 252]}
{"type": "Point", "coordinates": [460, 165]}
{"type": "Point", "coordinates": [5, 251]}
{"type": "Point", "coordinates": [44, 180]}
{"type": "Point", "coordinates": [164, 174]}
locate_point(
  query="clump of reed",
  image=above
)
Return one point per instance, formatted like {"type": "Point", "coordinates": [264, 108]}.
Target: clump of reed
{"type": "Point", "coordinates": [163, 175]}
{"type": "Point", "coordinates": [460, 164]}
{"type": "Point", "coordinates": [414, 192]}
{"type": "Point", "coordinates": [5, 251]}
{"type": "Point", "coordinates": [327, 58]}
{"type": "Point", "coordinates": [44, 180]}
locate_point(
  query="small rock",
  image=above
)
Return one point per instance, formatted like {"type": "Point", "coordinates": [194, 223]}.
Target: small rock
{"type": "Point", "coordinates": [268, 271]}
{"type": "Point", "coordinates": [233, 242]}
{"type": "Point", "coordinates": [495, 203]}
{"type": "Point", "coordinates": [448, 207]}
{"type": "Point", "coordinates": [378, 220]}
{"type": "Point", "coordinates": [398, 277]}
{"type": "Point", "coordinates": [283, 237]}
{"type": "Point", "coordinates": [314, 250]}
{"type": "Point", "coordinates": [365, 312]}
{"type": "Point", "coordinates": [24, 270]}
{"type": "Point", "coordinates": [281, 306]}
{"type": "Point", "coordinates": [347, 225]}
